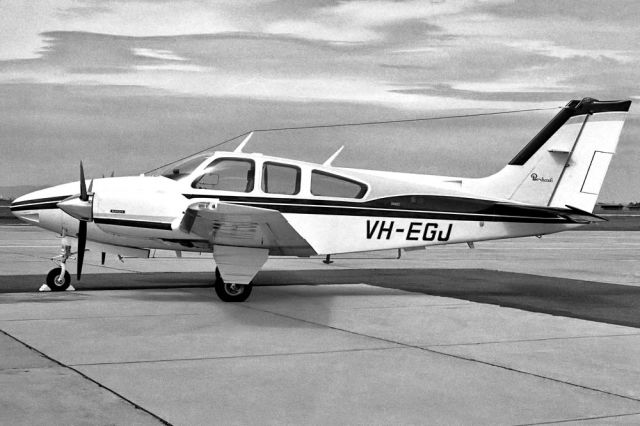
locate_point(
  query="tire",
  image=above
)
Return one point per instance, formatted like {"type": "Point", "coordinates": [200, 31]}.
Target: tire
{"type": "Point", "coordinates": [55, 283]}
{"type": "Point", "coordinates": [229, 292]}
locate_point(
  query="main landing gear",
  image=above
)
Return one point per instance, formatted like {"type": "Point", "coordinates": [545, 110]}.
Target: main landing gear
{"type": "Point", "coordinates": [230, 292]}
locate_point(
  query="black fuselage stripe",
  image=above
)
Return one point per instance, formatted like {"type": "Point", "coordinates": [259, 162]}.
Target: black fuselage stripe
{"type": "Point", "coordinates": [39, 206]}
{"type": "Point", "coordinates": [408, 214]}
{"type": "Point", "coordinates": [134, 223]}
{"type": "Point", "coordinates": [39, 200]}
{"type": "Point", "coordinates": [488, 213]}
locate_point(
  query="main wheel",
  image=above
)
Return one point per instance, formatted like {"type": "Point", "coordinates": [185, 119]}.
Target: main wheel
{"type": "Point", "coordinates": [56, 281]}
{"type": "Point", "coordinates": [230, 292]}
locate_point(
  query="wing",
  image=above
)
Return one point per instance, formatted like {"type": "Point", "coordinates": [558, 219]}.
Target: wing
{"type": "Point", "coordinates": [231, 224]}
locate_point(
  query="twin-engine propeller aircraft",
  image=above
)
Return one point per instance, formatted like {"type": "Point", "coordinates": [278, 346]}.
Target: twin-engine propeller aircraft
{"type": "Point", "coordinates": [244, 207]}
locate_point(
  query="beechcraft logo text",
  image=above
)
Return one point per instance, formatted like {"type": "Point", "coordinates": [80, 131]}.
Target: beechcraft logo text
{"type": "Point", "coordinates": [534, 177]}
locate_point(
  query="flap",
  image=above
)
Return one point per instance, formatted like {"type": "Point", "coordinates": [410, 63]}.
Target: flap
{"type": "Point", "coordinates": [230, 224]}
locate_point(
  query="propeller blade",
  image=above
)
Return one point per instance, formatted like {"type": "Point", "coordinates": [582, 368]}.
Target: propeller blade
{"type": "Point", "coordinates": [83, 185]}
{"type": "Point", "coordinates": [82, 243]}
{"type": "Point", "coordinates": [90, 186]}
{"type": "Point", "coordinates": [103, 258]}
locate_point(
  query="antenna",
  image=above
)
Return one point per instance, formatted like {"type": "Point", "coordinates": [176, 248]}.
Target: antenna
{"type": "Point", "coordinates": [333, 157]}
{"type": "Point", "coordinates": [243, 143]}
{"type": "Point", "coordinates": [328, 126]}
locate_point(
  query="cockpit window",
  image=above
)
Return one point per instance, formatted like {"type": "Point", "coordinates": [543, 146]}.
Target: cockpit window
{"type": "Point", "coordinates": [226, 174]}
{"type": "Point", "coordinates": [181, 168]}
{"type": "Point", "coordinates": [328, 185]}
{"type": "Point", "coordinates": [280, 179]}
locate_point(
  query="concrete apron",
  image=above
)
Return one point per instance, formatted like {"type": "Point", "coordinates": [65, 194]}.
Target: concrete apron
{"type": "Point", "coordinates": [307, 354]}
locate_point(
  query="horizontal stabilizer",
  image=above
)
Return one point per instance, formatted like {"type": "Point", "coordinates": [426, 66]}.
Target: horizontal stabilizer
{"type": "Point", "coordinates": [578, 215]}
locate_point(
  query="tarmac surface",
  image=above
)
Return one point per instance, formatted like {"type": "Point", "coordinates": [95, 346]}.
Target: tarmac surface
{"type": "Point", "coordinates": [521, 331]}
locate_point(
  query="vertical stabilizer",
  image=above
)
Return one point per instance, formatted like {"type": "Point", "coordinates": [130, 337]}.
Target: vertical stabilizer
{"type": "Point", "coordinates": [587, 166]}
{"type": "Point", "coordinates": [566, 162]}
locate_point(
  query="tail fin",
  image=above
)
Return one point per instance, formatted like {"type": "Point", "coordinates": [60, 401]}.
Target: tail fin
{"type": "Point", "coordinates": [565, 163]}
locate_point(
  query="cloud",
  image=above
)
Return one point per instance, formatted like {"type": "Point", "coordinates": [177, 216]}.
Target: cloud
{"type": "Point", "coordinates": [550, 48]}
{"type": "Point", "coordinates": [410, 55]}
{"type": "Point", "coordinates": [163, 54]}
{"type": "Point", "coordinates": [333, 32]}
{"type": "Point", "coordinates": [364, 21]}
{"type": "Point", "coordinates": [231, 65]}
{"type": "Point", "coordinates": [23, 22]}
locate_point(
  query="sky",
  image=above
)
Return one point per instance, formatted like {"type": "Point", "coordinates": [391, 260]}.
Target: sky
{"type": "Point", "coordinates": [127, 86]}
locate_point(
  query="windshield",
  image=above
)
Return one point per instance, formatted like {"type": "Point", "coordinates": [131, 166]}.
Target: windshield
{"type": "Point", "coordinates": [181, 168]}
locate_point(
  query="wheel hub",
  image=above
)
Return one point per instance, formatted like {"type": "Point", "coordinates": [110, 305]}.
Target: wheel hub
{"type": "Point", "coordinates": [234, 289]}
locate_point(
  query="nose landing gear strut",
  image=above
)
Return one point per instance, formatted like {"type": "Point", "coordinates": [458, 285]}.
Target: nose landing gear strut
{"type": "Point", "coordinates": [58, 279]}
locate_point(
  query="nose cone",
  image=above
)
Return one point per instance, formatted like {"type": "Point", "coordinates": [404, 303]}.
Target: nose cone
{"type": "Point", "coordinates": [24, 212]}
{"type": "Point", "coordinates": [29, 207]}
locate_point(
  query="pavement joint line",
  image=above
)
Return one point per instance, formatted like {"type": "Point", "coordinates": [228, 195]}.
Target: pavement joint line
{"type": "Point", "coordinates": [122, 397]}
{"type": "Point", "coordinates": [208, 314]}
{"type": "Point", "coordinates": [494, 342]}
{"type": "Point", "coordinates": [553, 422]}
{"type": "Point", "coordinates": [26, 369]}
{"type": "Point", "coordinates": [363, 308]}
{"type": "Point", "coordinates": [460, 357]}
{"type": "Point", "coordinates": [224, 357]}
{"type": "Point", "coordinates": [17, 246]}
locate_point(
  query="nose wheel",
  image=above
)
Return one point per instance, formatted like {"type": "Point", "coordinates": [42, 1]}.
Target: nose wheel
{"type": "Point", "coordinates": [58, 280]}
{"type": "Point", "coordinates": [231, 292]}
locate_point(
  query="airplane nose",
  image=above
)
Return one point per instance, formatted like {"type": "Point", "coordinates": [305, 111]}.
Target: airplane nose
{"type": "Point", "coordinates": [31, 207]}
{"type": "Point", "coordinates": [26, 208]}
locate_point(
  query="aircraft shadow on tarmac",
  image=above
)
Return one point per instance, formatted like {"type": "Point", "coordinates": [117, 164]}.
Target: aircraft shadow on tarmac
{"type": "Point", "coordinates": [602, 302]}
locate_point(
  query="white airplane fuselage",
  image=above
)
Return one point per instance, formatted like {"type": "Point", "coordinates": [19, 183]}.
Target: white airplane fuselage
{"type": "Point", "coordinates": [244, 207]}
{"type": "Point", "coordinates": [145, 212]}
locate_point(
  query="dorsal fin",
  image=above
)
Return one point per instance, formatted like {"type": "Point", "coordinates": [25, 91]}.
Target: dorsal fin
{"type": "Point", "coordinates": [243, 143]}
{"type": "Point", "coordinates": [333, 157]}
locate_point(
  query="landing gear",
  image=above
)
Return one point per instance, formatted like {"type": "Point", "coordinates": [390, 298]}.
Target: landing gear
{"type": "Point", "coordinates": [230, 292]}
{"type": "Point", "coordinates": [58, 280]}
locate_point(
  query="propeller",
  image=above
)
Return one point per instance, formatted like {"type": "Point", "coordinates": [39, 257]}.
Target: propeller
{"type": "Point", "coordinates": [80, 207]}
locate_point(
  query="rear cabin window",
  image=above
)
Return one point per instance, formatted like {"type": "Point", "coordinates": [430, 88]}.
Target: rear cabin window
{"type": "Point", "coordinates": [280, 179]}
{"type": "Point", "coordinates": [227, 175]}
{"type": "Point", "coordinates": [328, 185]}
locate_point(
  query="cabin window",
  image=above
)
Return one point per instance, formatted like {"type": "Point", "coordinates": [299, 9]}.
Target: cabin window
{"type": "Point", "coordinates": [227, 174]}
{"type": "Point", "coordinates": [328, 185]}
{"type": "Point", "coordinates": [280, 179]}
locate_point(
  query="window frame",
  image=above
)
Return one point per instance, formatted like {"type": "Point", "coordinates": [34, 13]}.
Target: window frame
{"type": "Point", "coordinates": [364, 188]}
{"type": "Point", "coordinates": [215, 161]}
{"type": "Point", "coordinates": [276, 163]}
